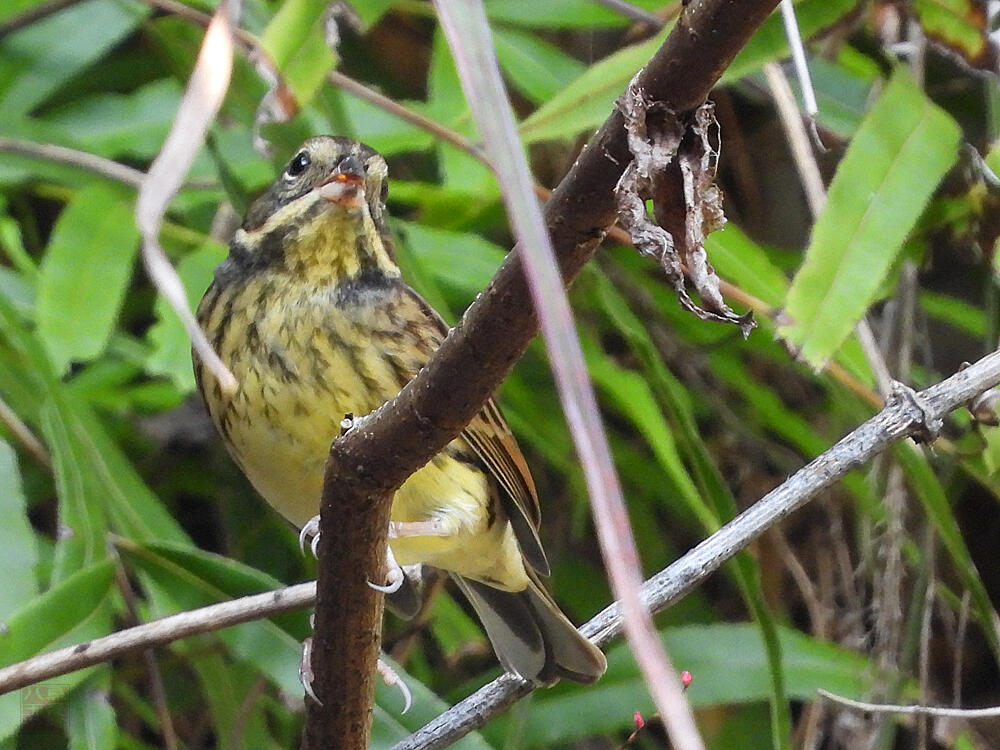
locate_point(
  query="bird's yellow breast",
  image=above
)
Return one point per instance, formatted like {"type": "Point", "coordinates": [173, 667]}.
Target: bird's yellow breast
{"type": "Point", "coordinates": [304, 358]}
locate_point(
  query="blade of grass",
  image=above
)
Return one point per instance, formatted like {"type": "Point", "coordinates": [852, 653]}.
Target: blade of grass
{"type": "Point", "coordinates": [468, 33]}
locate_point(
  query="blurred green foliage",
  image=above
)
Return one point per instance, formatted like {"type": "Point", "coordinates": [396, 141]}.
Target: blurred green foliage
{"type": "Point", "coordinates": [130, 477]}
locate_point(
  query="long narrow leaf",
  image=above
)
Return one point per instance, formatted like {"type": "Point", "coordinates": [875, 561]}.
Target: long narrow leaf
{"type": "Point", "coordinates": [890, 171]}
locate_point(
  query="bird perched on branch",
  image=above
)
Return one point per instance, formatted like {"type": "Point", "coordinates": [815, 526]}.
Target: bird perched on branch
{"type": "Point", "coordinates": [310, 314]}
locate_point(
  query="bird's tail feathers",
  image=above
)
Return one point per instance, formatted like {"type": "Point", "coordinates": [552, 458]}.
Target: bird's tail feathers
{"type": "Point", "coordinates": [531, 636]}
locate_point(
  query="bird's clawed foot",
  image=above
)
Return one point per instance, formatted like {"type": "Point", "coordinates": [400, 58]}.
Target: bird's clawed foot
{"type": "Point", "coordinates": [309, 534]}
{"type": "Point", "coordinates": [306, 674]}
{"type": "Point", "coordinates": [386, 672]}
{"type": "Point", "coordinates": [390, 678]}
{"type": "Point", "coordinates": [394, 576]}
{"type": "Point", "coordinates": [397, 530]}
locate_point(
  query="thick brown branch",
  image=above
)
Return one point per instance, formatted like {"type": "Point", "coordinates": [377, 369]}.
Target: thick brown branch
{"type": "Point", "coordinates": [348, 623]}
{"type": "Point", "coordinates": [384, 448]}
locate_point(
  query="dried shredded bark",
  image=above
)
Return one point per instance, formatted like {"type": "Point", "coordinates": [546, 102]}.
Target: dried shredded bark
{"type": "Point", "coordinates": [276, 106]}
{"type": "Point", "coordinates": [671, 156]}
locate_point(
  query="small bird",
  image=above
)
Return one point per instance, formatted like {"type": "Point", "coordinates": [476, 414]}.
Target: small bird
{"type": "Point", "coordinates": [311, 316]}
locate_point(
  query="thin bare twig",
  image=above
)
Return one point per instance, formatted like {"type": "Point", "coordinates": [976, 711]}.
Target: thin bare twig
{"type": "Point", "coordinates": [71, 157]}
{"type": "Point", "coordinates": [959, 648]}
{"type": "Point", "coordinates": [924, 655]}
{"type": "Point", "coordinates": [633, 12]}
{"type": "Point", "coordinates": [156, 633]}
{"type": "Point", "coordinates": [157, 690]}
{"type": "Point", "coordinates": [873, 354]}
{"type": "Point", "coordinates": [23, 434]}
{"type": "Point", "coordinates": [801, 69]}
{"type": "Point", "coordinates": [886, 708]}
{"type": "Point", "coordinates": [33, 14]}
{"type": "Point", "coordinates": [907, 413]}
{"type": "Point", "coordinates": [798, 139]}
{"type": "Point", "coordinates": [411, 116]}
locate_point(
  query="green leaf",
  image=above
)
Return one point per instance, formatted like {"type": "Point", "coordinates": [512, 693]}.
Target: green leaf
{"type": "Point", "coordinates": [83, 526]}
{"type": "Point", "coordinates": [170, 353]}
{"type": "Point", "coordinates": [446, 103]}
{"type": "Point", "coordinates": [97, 488]}
{"type": "Point", "coordinates": [959, 25]}
{"type": "Point", "coordinates": [75, 610]}
{"type": "Point", "coordinates": [12, 245]}
{"type": "Point", "coordinates": [454, 630]}
{"type": "Point", "coordinates": [558, 14]}
{"type": "Point", "coordinates": [462, 261]}
{"type": "Point", "coordinates": [15, 7]}
{"type": "Point", "coordinates": [182, 579]}
{"type": "Point", "coordinates": [842, 94]}
{"type": "Point", "coordinates": [729, 666]}
{"type": "Point", "coordinates": [383, 131]}
{"type": "Point", "coordinates": [225, 685]}
{"type": "Point", "coordinates": [770, 42]}
{"type": "Point", "coordinates": [90, 719]}
{"type": "Point", "coordinates": [117, 125]}
{"type": "Point", "coordinates": [296, 43]}
{"type": "Point", "coordinates": [537, 69]}
{"type": "Point", "coordinates": [76, 436]}
{"type": "Point", "coordinates": [44, 620]}
{"type": "Point", "coordinates": [900, 153]}
{"type": "Point", "coordinates": [42, 57]}
{"type": "Point", "coordinates": [954, 312]}
{"type": "Point", "coordinates": [631, 396]}
{"type": "Point", "coordinates": [739, 259]}
{"type": "Point", "coordinates": [18, 546]}
{"type": "Point", "coordinates": [84, 274]}
{"type": "Point", "coordinates": [372, 10]}
{"type": "Point", "coordinates": [587, 101]}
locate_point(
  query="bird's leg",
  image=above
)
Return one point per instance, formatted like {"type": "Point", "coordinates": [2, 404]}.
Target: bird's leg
{"type": "Point", "coordinates": [401, 529]}
{"type": "Point", "coordinates": [397, 530]}
{"type": "Point", "coordinates": [310, 532]}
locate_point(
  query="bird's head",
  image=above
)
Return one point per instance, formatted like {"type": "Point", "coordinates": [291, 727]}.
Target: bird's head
{"type": "Point", "coordinates": [326, 207]}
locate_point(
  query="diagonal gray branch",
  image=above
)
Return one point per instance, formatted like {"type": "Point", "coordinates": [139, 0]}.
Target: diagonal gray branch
{"type": "Point", "coordinates": [917, 415]}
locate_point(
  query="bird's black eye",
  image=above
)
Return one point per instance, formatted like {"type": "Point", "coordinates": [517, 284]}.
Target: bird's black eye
{"type": "Point", "coordinates": [298, 164]}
